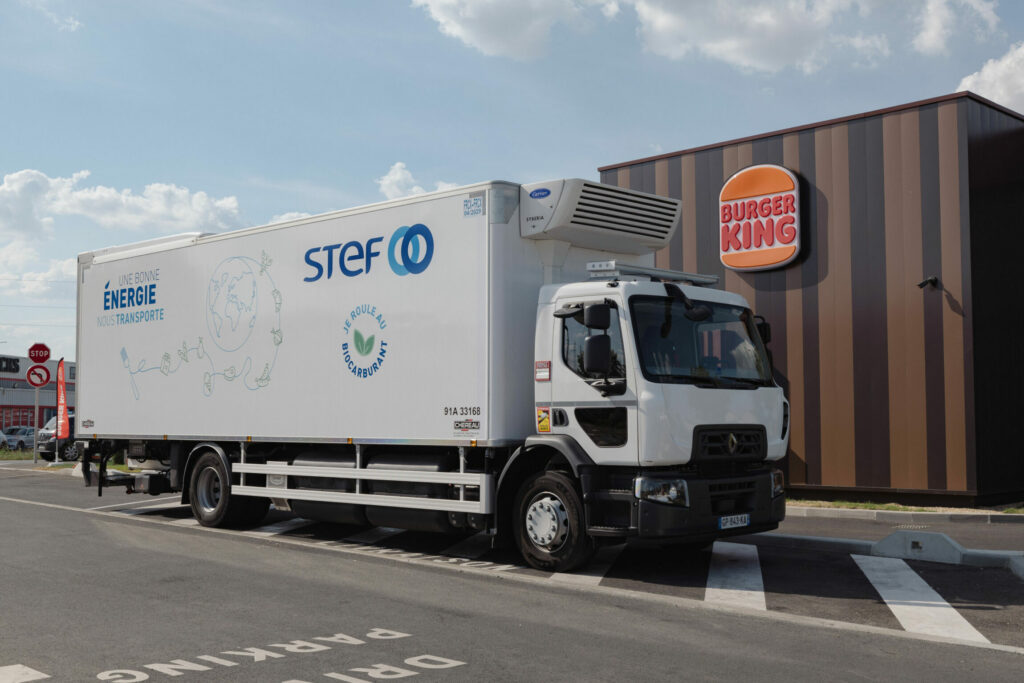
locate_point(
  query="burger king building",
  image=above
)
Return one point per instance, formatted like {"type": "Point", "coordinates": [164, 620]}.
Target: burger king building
{"type": "Point", "coordinates": [883, 248]}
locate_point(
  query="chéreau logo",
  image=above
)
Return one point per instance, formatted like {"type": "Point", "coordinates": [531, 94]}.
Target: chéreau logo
{"type": "Point", "coordinates": [759, 217]}
{"type": "Point", "coordinates": [410, 250]}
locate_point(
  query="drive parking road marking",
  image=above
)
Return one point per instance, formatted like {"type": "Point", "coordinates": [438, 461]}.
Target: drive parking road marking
{"type": "Point", "coordinates": [734, 577]}
{"type": "Point", "coordinates": [915, 604]}
{"type": "Point", "coordinates": [17, 673]}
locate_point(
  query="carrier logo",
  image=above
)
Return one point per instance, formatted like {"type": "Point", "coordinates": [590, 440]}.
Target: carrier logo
{"type": "Point", "coordinates": [135, 290]}
{"type": "Point", "coordinates": [540, 193]}
{"type": "Point", "coordinates": [759, 217]}
{"type": "Point", "coordinates": [365, 351]}
{"type": "Point", "coordinates": [410, 250]}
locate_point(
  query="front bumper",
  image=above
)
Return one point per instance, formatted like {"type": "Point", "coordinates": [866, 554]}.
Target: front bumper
{"type": "Point", "coordinates": [710, 499]}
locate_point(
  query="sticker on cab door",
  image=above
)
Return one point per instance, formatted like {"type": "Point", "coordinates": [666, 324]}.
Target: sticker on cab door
{"type": "Point", "coordinates": [543, 419]}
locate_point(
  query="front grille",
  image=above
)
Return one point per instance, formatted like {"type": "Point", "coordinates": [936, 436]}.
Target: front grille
{"type": "Point", "coordinates": [732, 488]}
{"type": "Point", "coordinates": [729, 443]}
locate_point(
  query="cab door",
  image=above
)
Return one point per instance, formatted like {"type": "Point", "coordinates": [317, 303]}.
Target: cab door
{"type": "Point", "coordinates": [600, 413]}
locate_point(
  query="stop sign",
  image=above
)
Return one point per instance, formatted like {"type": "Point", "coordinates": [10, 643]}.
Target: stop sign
{"type": "Point", "coordinates": [39, 353]}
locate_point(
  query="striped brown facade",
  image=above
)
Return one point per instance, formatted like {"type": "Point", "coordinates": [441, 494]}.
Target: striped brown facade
{"type": "Point", "coordinates": [894, 388]}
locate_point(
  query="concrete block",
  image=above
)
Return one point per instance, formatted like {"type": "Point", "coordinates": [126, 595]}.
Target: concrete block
{"type": "Point", "coordinates": [1016, 566]}
{"type": "Point", "coordinates": [990, 558]}
{"type": "Point", "coordinates": [919, 545]}
{"type": "Point", "coordinates": [1006, 519]}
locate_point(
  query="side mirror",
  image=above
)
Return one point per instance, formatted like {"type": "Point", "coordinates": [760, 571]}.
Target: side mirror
{"type": "Point", "coordinates": [763, 329]}
{"type": "Point", "coordinates": [597, 354]}
{"type": "Point", "coordinates": [597, 316]}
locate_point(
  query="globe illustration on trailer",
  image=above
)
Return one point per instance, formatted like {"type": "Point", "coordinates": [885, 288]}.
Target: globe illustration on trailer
{"type": "Point", "coordinates": [231, 298]}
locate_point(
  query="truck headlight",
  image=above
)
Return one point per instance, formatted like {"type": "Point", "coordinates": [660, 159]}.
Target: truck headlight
{"type": "Point", "coordinates": [778, 483]}
{"type": "Point", "coordinates": [668, 491]}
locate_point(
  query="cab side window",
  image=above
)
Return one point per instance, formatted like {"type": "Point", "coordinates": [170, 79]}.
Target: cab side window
{"type": "Point", "coordinates": [574, 333]}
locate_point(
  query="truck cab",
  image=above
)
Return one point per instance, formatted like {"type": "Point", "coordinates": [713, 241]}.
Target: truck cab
{"type": "Point", "coordinates": [666, 387]}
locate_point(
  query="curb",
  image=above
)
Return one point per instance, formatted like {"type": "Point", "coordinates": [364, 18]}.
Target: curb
{"type": "Point", "coordinates": [928, 546]}
{"type": "Point", "coordinates": [898, 516]}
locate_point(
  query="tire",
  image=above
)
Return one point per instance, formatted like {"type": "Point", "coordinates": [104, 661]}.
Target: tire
{"type": "Point", "coordinates": [21, 446]}
{"type": "Point", "coordinates": [69, 453]}
{"type": "Point", "coordinates": [211, 499]}
{"type": "Point", "coordinates": [550, 526]}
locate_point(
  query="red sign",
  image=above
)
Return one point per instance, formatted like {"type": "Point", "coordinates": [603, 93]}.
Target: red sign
{"type": "Point", "coordinates": [759, 218]}
{"type": "Point", "coordinates": [39, 353]}
{"type": "Point", "coordinates": [38, 376]}
{"type": "Point", "coordinates": [63, 427]}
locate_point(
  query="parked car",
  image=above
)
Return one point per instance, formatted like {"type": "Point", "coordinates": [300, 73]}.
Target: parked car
{"type": "Point", "coordinates": [18, 438]}
{"type": "Point", "coordinates": [48, 441]}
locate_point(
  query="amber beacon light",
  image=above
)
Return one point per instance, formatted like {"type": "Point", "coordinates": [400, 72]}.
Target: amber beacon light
{"type": "Point", "coordinates": [759, 218]}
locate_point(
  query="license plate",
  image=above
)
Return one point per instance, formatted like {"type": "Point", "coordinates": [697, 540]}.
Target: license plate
{"type": "Point", "coordinates": [733, 521]}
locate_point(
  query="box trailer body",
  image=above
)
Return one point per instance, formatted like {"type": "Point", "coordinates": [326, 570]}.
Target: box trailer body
{"type": "Point", "coordinates": [405, 364]}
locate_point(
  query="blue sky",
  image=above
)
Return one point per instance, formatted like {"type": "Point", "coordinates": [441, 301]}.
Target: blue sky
{"type": "Point", "coordinates": [125, 120]}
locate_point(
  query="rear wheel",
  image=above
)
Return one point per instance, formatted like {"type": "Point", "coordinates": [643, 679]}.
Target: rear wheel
{"type": "Point", "coordinates": [550, 526]}
{"type": "Point", "coordinates": [69, 453]}
{"type": "Point", "coordinates": [212, 502]}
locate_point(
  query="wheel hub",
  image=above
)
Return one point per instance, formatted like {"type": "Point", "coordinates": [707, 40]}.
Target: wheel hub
{"type": "Point", "coordinates": [547, 523]}
{"type": "Point", "coordinates": [208, 490]}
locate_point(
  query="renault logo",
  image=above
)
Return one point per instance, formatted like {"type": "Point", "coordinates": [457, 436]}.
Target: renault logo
{"type": "Point", "coordinates": [732, 442]}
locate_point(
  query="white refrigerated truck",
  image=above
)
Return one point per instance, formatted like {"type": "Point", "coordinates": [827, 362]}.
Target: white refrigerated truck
{"type": "Point", "coordinates": [496, 357]}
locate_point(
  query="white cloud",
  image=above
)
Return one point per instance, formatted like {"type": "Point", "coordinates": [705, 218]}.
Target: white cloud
{"type": "Point", "coordinates": [289, 216]}
{"type": "Point", "coordinates": [1000, 80]}
{"type": "Point", "coordinates": [868, 50]}
{"type": "Point", "coordinates": [398, 182]}
{"type": "Point", "coordinates": [29, 201]}
{"type": "Point", "coordinates": [939, 20]}
{"type": "Point", "coordinates": [66, 23]}
{"type": "Point", "coordinates": [510, 28]}
{"type": "Point", "coordinates": [752, 35]}
{"type": "Point", "coordinates": [757, 35]}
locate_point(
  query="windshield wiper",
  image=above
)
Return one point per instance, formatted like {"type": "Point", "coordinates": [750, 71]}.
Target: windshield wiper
{"type": "Point", "coordinates": [707, 380]}
{"type": "Point", "coordinates": [745, 380]}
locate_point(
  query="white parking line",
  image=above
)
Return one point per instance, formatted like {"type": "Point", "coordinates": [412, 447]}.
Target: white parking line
{"type": "Point", "coordinates": [470, 548]}
{"type": "Point", "coordinates": [143, 502]}
{"type": "Point", "coordinates": [734, 577]}
{"type": "Point", "coordinates": [279, 527]}
{"type": "Point", "coordinates": [165, 505]}
{"type": "Point", "coordinates": [913, 602]}
{"type": "Point", "coordinates": [375, 535]}
{"type": "Point", "coordinates": [187, 521]}
{"type": "Point", "coordinates": [18, 673]}
{"type": "Point", "coordinates": [594, 572]}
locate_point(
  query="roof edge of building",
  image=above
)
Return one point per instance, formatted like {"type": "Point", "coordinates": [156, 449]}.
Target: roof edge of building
{"type": "Point", "coordinates": [830, 122]}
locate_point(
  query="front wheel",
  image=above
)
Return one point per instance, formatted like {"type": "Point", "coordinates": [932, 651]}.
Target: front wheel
{"type": "Point", "coordinates": [69, 453]}
{"type": "Point", "coordinates": [550, 524]}
{"type": "Point", "coordinates": [212, 502]}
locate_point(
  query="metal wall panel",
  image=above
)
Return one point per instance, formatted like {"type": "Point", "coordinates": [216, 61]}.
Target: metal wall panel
{"type": "Point", "coordinates": [881, 373]}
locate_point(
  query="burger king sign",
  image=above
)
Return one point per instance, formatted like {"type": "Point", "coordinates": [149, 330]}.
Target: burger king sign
{"type": "Point", "coordinates": [759, 217]}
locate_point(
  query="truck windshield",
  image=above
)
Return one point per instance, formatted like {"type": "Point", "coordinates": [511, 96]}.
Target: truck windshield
{"type": "Point", "coordinates": [723, 350]}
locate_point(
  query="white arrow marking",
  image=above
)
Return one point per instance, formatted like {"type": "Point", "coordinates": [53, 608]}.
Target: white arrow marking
{"type": "Point", "coordinates": [18, 673]}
